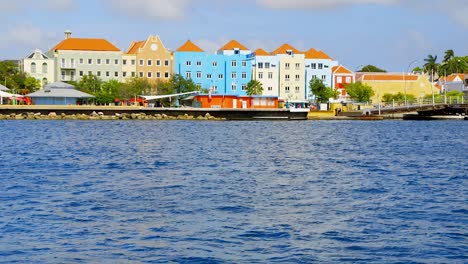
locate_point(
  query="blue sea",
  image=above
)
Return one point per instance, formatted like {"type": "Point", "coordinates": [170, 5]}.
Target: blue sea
{"type": "Point", "coordinates": [233, 192]}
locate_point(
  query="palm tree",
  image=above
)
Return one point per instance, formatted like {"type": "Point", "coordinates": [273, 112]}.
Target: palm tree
{"type": "Point", "coordinates": [254, 87]}
{"type": "Point", "coordinates": [431, 65]}
{"type": "Point", "coordinates": [449, 54]}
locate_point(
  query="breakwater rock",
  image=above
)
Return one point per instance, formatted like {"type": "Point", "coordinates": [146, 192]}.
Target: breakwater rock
{"type": "Point", "coordinates": [100, 116]}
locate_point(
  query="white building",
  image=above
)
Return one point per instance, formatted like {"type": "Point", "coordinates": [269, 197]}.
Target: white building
{"type": "Point", "coordinates": [265, 70]}
{"type": "Point", "coordinates": [39, 66]}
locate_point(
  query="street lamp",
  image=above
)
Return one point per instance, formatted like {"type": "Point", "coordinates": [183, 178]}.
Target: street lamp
{"type": "Point", "coordinates": [404, 77]}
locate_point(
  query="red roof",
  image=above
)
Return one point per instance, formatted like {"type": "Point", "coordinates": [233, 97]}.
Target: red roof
{"type": "Point", "coordinates": [233, 44]}
{"type": "Point", "coordinates": [341, 69]}
{"type": "Point", "coordinates": [316, 54]}
{"type": "Point", "coordinates": [85, 44]}
{"type": "Point", "coordinates": [135, 46]}
{"type": "Point", "coordinates": [189, 46]}
{"type": "Point", "coordinates": [261, 52]}
{"type": "Point", "coordinates": [284, 48]}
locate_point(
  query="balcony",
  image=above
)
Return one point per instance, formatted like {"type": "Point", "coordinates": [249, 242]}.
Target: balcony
{"type": "Point", "coordinates": [68, 65]}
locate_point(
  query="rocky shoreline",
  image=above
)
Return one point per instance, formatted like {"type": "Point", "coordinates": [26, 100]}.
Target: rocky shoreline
{"type": "Point", "coordinates": [100, 116]}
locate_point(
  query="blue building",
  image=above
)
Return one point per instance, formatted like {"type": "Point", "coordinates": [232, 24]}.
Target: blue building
{"type": "Point", "coordinates": [226, 72]}
{"type": "Point", "coordinates": [59, 93]}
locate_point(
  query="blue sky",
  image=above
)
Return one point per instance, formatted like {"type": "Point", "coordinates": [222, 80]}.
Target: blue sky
{"type": "Point", "coordinates": [386, 33]}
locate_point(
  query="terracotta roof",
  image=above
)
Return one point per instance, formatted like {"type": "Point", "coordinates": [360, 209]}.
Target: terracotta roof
{"type": "Point", "coordinates": [261, 52]}
{"type": "Point", "coordinates": [135, 46]}
{"type": "Point", "coordinates": [233, 44]}
{"type": "Point", "coordinates": [85, 44]}
{"type": "Point", "coordinates": [284, 48]}
{"type": "Point", "coordinates": [341, 69]}
{"type": "Point", "coordinates": [189, 46]}
{"type": "Point", "coordinates": [316, 54]}
{"type": "Point", "coordinates": [389, 77]}
{"type": "Point", "coordinates": [453, 76]}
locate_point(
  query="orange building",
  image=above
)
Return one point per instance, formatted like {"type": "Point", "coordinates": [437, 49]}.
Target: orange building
{"type": "Point", "coordinates": [236, 102]}
{"type": "Point", "coordinates": [153, 60]}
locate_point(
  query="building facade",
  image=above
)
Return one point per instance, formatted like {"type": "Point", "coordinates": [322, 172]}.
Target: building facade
{"type": "Point", "coordinates": [265, 69]}
{"type": "Point", "coordinates": [291, 72]}
{"type": "Point", "coordinates": [341, 76]}
{"type": "Point", "coordinates": [39, 66]}
{"type": "Point", "coordinates": [318, 65]}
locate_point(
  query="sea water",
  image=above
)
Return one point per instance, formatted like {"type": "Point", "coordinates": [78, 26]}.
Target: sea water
{"type": "Point", "coordinates": [233, 192]}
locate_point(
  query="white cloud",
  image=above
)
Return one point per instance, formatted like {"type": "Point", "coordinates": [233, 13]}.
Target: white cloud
{"type": "Point", "coordinates": [153, 9]}
{"type": "Point", "coordinates": [318, 4]}
{"type": "Point", "coordinates": [26, 36]}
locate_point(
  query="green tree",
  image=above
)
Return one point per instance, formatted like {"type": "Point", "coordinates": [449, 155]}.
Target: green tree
{"type": "Point", "coordinates": [31, 84]}
{"type": "Point", "coordinates": [320, 91]}
{"type": "Point", "coordinates": [359, 91]}
{"type": "Point", "coordinates": [254, 87]}
{"type": "Point", "coordinates": [418, 70]}
{"type": "Point", "coordinates": [431, 65]}
{"type": "Point", "coordinates": [371, 68]}
{"type": "Point", "coordinates": [449, 54]}
{"type": "Point", "coordinates": [134, 87]}
{"type": "Point", "coordinates": [454, 65]}
{"type": "Point", "coordinates": [89, 84]}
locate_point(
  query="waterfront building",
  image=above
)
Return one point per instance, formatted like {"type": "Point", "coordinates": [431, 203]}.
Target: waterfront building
{"type": "Point", "coordinates": [265, 69]}
{"type": "Point", "coordinates": [129, 61]}
{"type": "Point", "coordinates": [76, 57]}
{"type": "Point", "coordinates": [153, 60]}
{"type": "Point", "coordinates": [39, 66]}
{"type": "Point", "coordinates": [393, 83]}
{"type": "Point", "coordinates": [291, 72]}
{"type": "Point", "coordinates": [238, 67]}
{"type": "Point", "coordinates": [341, 76]}
{"type": "Point", "coordinates": [59, 93]}
{"type": "Point", "coordinates": [453, 82]}
{"type": "Point", "coordinates": [235, 101]}
{"type": "Point", "coordinates": [318, 65]}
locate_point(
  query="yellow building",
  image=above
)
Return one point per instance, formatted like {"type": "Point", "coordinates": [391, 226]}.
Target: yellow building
{"type": "Point", "coordinates": [291, 73]}
{"type": "Point", "coordinates": [153, 60]}
{"type": "Point", "coordinates": [393, 83]}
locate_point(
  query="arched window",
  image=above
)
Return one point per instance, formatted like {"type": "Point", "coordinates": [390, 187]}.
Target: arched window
{"type": "Point", "coordinates": [33, 67]}
{"type": "Point", "coordinates": [44, 67]}
{"type": "Point", "coordinates": [44, 82]}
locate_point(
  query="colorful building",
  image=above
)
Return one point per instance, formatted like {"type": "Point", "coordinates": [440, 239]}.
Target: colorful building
{"type": "Point", "coordinates": [341, 76]}
{"type": "Point", "coordinates": [39, 66]}
{"type": "Point", "coordinates": [235, 101]}
{"type": "Point", "coordinates": [265, 69]}
{"type": "Point", "coordinates": [291, 72]}
{"type": "Point", "coordinates": [76, 57]}
{"type": "Point", "coordinates": [453, 82]}
{"type": "Point", "coordinates": [153, 60]}
{"type": "Point", "coordinates": [318, 65]}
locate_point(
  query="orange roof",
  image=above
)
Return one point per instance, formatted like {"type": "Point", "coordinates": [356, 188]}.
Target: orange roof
{"type": "Point", "coordinates": [135, 46]}
{"type": "Point", "coordinates": [389, 77]}
{"type": "Point", "coordinates": [284, 48]}
{"type": "Point", "coordinates": [314, 54]}
{"type": "Point", "coordinates": [341, 69]}
{"type": "Point", "coordinates": [233, 44]}
{"type": "Point", "coordinates": [261, 52]}
{"type": "Point", "coordinates": [189, 46]}
{"type": "Point", "coordinates": [85, 44]}
{"type": "Point", "coordinates": [453, 76]}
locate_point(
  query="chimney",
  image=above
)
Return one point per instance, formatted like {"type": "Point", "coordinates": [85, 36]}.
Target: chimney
{"type": "Point", "coordinates": [68, 34]}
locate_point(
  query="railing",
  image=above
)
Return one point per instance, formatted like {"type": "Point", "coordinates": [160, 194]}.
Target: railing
{"type": "Point", "coordinates": [68, 65]}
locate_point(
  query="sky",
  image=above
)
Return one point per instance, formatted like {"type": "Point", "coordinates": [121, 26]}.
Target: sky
{"type": "Point", "coordinates": [387, 33]}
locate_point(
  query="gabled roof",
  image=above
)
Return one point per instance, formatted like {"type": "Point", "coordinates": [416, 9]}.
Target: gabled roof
{"type": "Point", "coordinates": [261, 52]}
{"type": "Point", "coordinates": [340, 69]}
{"type": "Point", "coordinates": [60, 89]}
{"type": "Point", "coordinates": [316, 54]}
{"type": "Point", "coordinates": [135, 46]}
{"type": "Point", "coordinates": [189, 46]}
{"type": "Point", "coordinates": [233, 44]}
{"type": "Point", "coordinates": [284, 48]}
{"type": "Point", "coordinates": [85, 44]}
{"type": "Point", "coordinates": [452, 77]}
{"type": "Point", "coordinates": [389, 77]}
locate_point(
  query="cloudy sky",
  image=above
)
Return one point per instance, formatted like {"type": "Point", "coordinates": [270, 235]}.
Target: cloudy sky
{"type": "Point", "coordinates": [387, 33]}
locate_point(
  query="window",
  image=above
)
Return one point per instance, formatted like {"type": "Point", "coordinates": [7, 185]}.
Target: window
{"type": "Point", "coordinates": [133, 74]}
{"type": "Point", "coordinates": [150, 62]}
{"type": "Point", "coordinates": [199, 74]}
{"type": "Point", "coordinates": [98, 61]}
{"type": "Point", "coordinates": [158, 74]}
{"type": "Point", "coordinates": [33, 67]}
{"type": "Point", "coordinates": [270, 88]}
{"type": "Point", "coordinates": [107, 74]}
{"type": "Point", "coordinates": [133, 62]}
{"type": "Point", "coordinates": [260, 75]}
{"type": "Point", "coordinates": [215, 64]}
{"type": "Point", "coordinates": [72, 61]}
{"type": "Point", "coordinates": [199, 63]}
{"type": "Point", "coordinates": [188, 75]}
{"type": "Point", "coordinates": [298, 66]}
{"type": "Point", "coordinates": [142, 62]}
{"type": "Point", "coordinates": [286, 65]}
{"type": "Point", "coordinates": [198, 85]}
{"type": "Point", "coordinates": [81, 73]}
{"type": "Point", "coordinates": [286, 89]}
{"type": "Point", "coordinates": [90, 61]}
{"type": "Point", "coordinates": [320, 66]}
{"type": "Point", "coordinates": [116, 74]}
{"type": "Point", "coordinates": [124, 62]}
{"type": "Point", "coordinates": [286, 77]}
{"type": "Point", "coordinates": [166, 75]}
{"type": "Point", "coordinates": [90, 73]}
{"type": "Point", "coordinates": [141, 74]}
{"type": "Point", "coordinates": [244, 87]}
{"type": "Point", "coordinates": [63, 75]}
{"type": "Point", "coordinates": [313, 66]}
{"type": "Point", "coordinates": [267, 65]}
{"type": "Point", "coordinates": [234, 87]}
{"type": "Point", "coordinates": [270, 75]}
{"type": "Point", "coordinates": [158, 62]}
{"type": "Point", "coordinates": [289, 52]}
{"type": "Point", "coordinates": [234, 75]}
{"type": "Point", "coordinates": [166, 63]}
{"type": "Point", "coordinates": [150, 74]}
{"type": "Point", "coordinates": [260, 65]}
{"type": "Point", "coordinates": [72, 76]}
{"type": "Point", "coordinates": [348, 79]}
{"type": "Point", "coordinates": [98, 74]}
{"type": "Point", "coordinates": [189, 63]}
{"type": "Point", "coordinates": [234, 63]}
{"type": "Point", "coordinates": [339, 79]}
{"type": "Point", "coordinates": [124, 74]}
{"type": "Point", "coordinates": [298, 77]}
{"type": "Point", "coordinates": [220, 76]}
{"type": "Point", "coordinates": [107, 61]}
{"type": "Point", "coordinates": [81, 61]}
{"type": "Point", "coordinates": [297, 89]}
{"type": "Point", "coordinates": [63, 65]}
{"type": "Point", "coordinates": [244, 63]}
{"type": "Point", "coordinates": [208, 76]}
{"type": "Point", "coordinates": [215, 88]}
{"type": "Point", "coordinates": [236, 51]}
{"type": "Point", "coordinates": [324, 77]}
{"type": "Point", "coordinates": [244, 75]}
